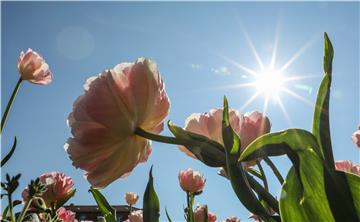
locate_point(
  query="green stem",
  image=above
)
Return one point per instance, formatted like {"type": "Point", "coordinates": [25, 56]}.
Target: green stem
{"type": "Point", "coordinates": [274, 169]}
{"type": "Point", "coordinates": [11, 208]}
{"type": "Point", "coordinates": [190, 203]}
{"type": "Point", "coordinates": [158, 138]}
{"type": "Point", "coordinates": [9, 105]}
{"type": "Point", "coordinates": [266, 186]}
{"type": "Point", "coordinates": [24, 210]}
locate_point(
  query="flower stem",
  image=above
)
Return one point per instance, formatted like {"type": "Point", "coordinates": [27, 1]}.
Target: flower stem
{"type": "Point", "coordinates": [274, 169]}
{"type": "Point", "coordinates": [24, 210]}
{"type": "Point", "coordinates": [9, 105]}
{"type": "Point", "coordinates": [158, 138]}
{"type": "Point", "coordinates": [190, 203]}
{"type": "Point", "coordinates": [266, 186]}
{"type": "Point", "coordinates": [12, 217]}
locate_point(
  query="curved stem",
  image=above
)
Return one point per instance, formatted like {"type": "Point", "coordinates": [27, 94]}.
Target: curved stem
{"type": "Point", "coordinates": [9, 105]}
{"type": "Point", "coordinates": [274, 169]}
{"type": "Point", "coordinates": [158, 138]}
{"type": "Point", "coordinates": [24, 210]}
{"type": "Point", "coordinates": [266, 186]}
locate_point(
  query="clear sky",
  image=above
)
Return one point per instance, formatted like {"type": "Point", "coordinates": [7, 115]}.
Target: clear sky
{"type": "Point", "coordinates": [193, 44]}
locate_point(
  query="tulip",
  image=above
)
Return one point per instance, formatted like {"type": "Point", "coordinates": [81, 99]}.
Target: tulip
{"type": "Point", "coordinates": [104, 121]}
{"type": "Point", "coordinates": [60, 188]}
{"type": "Point", "coordinates": [66, 215]}
{"type": "Point", "coordinates": [248, 127]}
{"type": "Point", "coordinates": [135, 216]}
{"type": "Point", "coordinates": [231, 219]}
{"type": "Point", "coordinates": [347, 166]}
{"type": "Point", "coordinates": [356, 137]}
{"type": "Point", "coordinates": [191, 181]}
{"type": "Point", "coordinates": [199, 214]}
{"type": "Point", "coordinates": [131, 198]}
{"type": "Point", "coordinates": [32, 67]}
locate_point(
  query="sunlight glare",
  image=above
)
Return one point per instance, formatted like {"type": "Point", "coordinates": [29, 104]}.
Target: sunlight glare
{"type": "Point", "coordinates": [269, 82]}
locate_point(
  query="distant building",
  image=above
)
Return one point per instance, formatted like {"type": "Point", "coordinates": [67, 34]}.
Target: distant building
{"type": "Point", "coordinates": [92, 213]}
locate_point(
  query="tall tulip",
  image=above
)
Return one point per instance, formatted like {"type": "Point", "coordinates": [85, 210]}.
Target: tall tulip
{"type": "Point", "coordinates": [105, 119]}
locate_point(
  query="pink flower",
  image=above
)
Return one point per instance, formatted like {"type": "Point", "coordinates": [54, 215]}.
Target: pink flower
{"type": "Point", "coordinates": [191, 181]}
{"type": "Point", "coordinates": [231, 219]}
{"type": "Point", "coordinates": [347, 166]}
{"type": "Point", "coordinates": [60, 188]}
{"type": "Point", "coordinates": [248, 127]}
{"type": "Point", "coordinates": [356, 137]}
{"type": "Point", "coordinates": [135, 216]}
{"type": "Point", "coordinates": [66, 215]}
{"type": "Point", "coordinates": [199, 214]}
{"type": "Point", "coordinates": [104, 120]}
{"type": "Point", "coordinates": [131, 198]}
{"type": "Point", "coordinates": [32, 67]}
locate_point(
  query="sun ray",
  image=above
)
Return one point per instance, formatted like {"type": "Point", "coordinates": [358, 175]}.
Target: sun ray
{"type": "Point", "coordinates": [284, 111]}
{"type": "Point", "coordinates": [236, 86]}
{"type": "Point", "coordinates": [297, 54]}
{"type": "Point", "coordinates": [297, 96]}
{"type": "Point", "coordinates": [252, 98]}
{"type": "Point", "coordinates": [266, 104]}
{"type": "Point", "coordinates": [300, 77]}
{"type": "Point", "coordinates": [253, 50]}
{"type": "Point", "coordinates": [246, 69]}
{"type": "Point", "coordinates": [275, 47]}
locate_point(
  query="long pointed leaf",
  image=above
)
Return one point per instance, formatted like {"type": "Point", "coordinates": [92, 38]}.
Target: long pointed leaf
{"type": "Point", "coordinates": [321, 125]}
{"type": "Point", "coordinates": [107, 211]}
{"type": "Point", "coordinates": [8, 156]}
{"type": "Point", "coordinates": [151, 203]}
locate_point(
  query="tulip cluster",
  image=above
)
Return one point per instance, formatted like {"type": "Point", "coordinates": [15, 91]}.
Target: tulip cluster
{"type": "Point", "coordinates": [124, 108]}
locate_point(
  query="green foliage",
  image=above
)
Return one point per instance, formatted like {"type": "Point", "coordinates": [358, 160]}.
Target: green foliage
{"type": "Point", "coordinates": [8, 156]}
{"type": "Point", "coordinates": [107, 211]}
{"type": "Point", "coordinates": [207, 151]}
{"type": "Point", "coordinates": [151, 203]}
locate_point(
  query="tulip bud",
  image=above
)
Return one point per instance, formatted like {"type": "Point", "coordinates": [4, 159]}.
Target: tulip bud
{"type": "Point", "coordinates": [191, 181]}
{"type": "Point", "coordinates": [356, 137]}
{"type": "Point", "coordinates": [66, 215]}
{"type": "Point", "coordinates": [131, 198]}
{"type": "Point", "coordinates": [199, 214]}
{"type": "Point", "coordinates": [32, 67]}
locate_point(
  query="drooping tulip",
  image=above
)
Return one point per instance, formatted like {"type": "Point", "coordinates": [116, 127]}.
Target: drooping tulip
{"type": "Point", "coordinates": [356, 137]}
{"type": "Point", "coordinates": [248, 126]}
{"type": "Point", "coordinates": [32, 67]}
{"type": "Point", "coordinates": [66, 215]}
{"type": "Point", "coordinates": [199, 214]}
{"type": "Point", "coordinates": [59, 189]}
{"type": "Point", "coordinates": [191, 181]}
{"type": "Point", "coordinates": [131, 198]}
{"type": "Point", "coordinates": [347, 166]}
{"type": "Point", "coordinates": [104, 120]}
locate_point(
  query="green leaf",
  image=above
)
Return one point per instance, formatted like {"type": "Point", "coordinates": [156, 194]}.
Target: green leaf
{"type": "Point", "coordinates": [321, 125]}
{"type": "Point", "coordinates": [311, 189]}
{"type": "Point", "coordinates": [235, 173]}
{"type": "Point", "coordinates": [354, 185]}
{"type": "Point", "coordinates": [207, 151]}
{"type": "Point", "coordinates": [8, 156]}
{"type": "Point", "coordinates": [167, 215]}
{"type": "Point", "coordinates": [151, 203]}
{"type": "Point", "coordinates": [107, 211]}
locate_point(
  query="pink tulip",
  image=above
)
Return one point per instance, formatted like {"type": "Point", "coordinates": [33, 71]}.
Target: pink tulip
{"type": "Point", "coordinates": [191, 181]}
{"type": "Point", "coordinates": [199, 214]}
{"type": "Point", "coordinates": [231, 219]}
{"type": "Point", "coordinates": [104, 120]}
{"type": "Point", "coordinates": [32, 67]}
{"type": "Point", "coordinates": [248, 127]}
{"type": "Point", "coordinates": [356, 137]}
{"type": "Point", "coordinates": [135, 216]}
{"type": "Point", "coordinates": [131, 198]}
{"type": "Point", "coordinates": [66, 215]}
{"type": "Point", "coordinates": [60, 188]}
{"type": "Point", "coordinates": [347, 166]}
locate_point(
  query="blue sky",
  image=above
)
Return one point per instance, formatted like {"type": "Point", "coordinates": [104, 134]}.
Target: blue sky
{"type": "Point", "coordinates": [189, 42]}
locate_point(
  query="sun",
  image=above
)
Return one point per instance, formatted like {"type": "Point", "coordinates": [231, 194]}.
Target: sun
{"type": "Point", "coordinates": [269, 82]}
